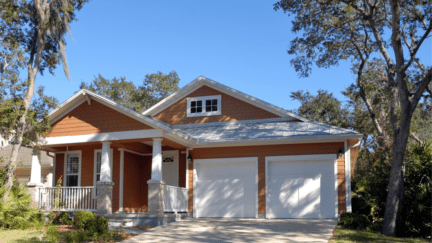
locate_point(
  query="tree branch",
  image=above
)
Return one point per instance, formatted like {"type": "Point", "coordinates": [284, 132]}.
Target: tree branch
{"type": "Point", "coordinates": [420, 90]}
{"type": "Point", "coordinates": [420, 42]}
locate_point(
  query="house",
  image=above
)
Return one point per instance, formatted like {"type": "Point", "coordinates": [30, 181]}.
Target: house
{"type": "Point", "coordinates": [208, 150]}
{"type": "Point", "coordinates": [24, 164]}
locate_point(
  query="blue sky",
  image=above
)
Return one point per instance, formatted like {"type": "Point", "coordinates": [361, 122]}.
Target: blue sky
{"type": "Point", "coordinates": [241, 44]}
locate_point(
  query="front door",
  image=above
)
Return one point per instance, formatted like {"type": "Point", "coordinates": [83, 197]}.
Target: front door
{"type": "Point", "coordinates": [170, 167]}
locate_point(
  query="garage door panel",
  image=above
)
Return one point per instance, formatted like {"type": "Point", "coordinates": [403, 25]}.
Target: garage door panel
{"type": "Point", "coordinates": [307, 193]}
{"type": "Point", "coordinates": [282, 168]}
{"type": "Point", "coordinates": [309, 197]}
{"type": "Point", "coordinates": [225, 190]}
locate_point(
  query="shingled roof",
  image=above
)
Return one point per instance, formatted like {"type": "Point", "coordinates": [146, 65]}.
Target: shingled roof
{"type": "Point", "coordinates": [264, 129]}
{"type": "Point", "coordinates": [25, 156]}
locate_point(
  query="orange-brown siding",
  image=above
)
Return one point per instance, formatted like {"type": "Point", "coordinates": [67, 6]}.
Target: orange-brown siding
{"type": "Point", "coordinates": [182, 170]}
{"type": "Point", "coordinates": [233, 109]}
{"type": "Point", "coordinates": [87, 169]}
{"type": "Point", "coordinates": [137, 171]}
{"type": "Point", "coordinates": [94, 118]}
{"type": "Point", "coordinates": [270, 150]}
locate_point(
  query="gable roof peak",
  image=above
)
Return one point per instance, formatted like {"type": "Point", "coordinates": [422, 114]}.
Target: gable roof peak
{"type": "Point", "coordinates": [200, 81]}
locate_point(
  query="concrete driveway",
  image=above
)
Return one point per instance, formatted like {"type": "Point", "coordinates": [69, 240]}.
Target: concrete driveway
{"type": "Point", "coordinates": [241, 230]}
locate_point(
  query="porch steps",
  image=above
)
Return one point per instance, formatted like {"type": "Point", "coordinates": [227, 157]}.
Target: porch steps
{"type": "Point", "coordinates": [120, 222]}
{"type": "Point", "coordinates": [130, 220]}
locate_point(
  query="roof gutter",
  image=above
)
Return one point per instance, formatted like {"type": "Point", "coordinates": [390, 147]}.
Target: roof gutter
{"type": "Point", "coordinates": [290, 140]}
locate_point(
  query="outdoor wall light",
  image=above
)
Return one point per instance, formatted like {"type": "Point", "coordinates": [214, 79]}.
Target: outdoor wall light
{"type": "Point", "coordinates": [340, 152]}
{"type": "Point", "coordinates": [189, 158]}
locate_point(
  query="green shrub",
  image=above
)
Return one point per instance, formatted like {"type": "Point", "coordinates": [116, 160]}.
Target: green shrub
{"type": "Point", "coordinates": [90, 222]}
{"type": "Point", "coordinates": [81, 218]}
{"type": "Point", "coordinates": [372, 184]}
{"type": "Point", "coordinates": [62, 218]}
{"type": "Point", "coordinates": [76, 236]}
{"type": "Point", "coordinates": [17, 212]}
{"type": "Point", "coordinates": [98, 225]}
{"type": "Point", "coordinates": [354, 221]}
{"type": "Point", "coordinates": [51, 234]}
{"type": "Point", "coordinates": [376, 226]}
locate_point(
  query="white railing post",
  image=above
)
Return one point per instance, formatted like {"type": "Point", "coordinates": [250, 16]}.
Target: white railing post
{"type": "Point", "coordinates": [175, 199]}
{"type": "Point", "coordinates": [72, 198]}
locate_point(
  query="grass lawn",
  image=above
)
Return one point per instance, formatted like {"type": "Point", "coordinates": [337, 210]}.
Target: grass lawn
{"type": "Point", "coordinates": [349, 235]}
{"type": "Point", "coordinates": [19, 235]}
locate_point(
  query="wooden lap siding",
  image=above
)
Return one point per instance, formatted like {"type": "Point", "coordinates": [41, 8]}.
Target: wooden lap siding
{"type": "Point", "coordinates": [233, 109]}
{"type": "Point", "coordinates": [87, 169]}
{"type": "Point", "coordinates": [94, 118]}
{"type": "Point", "coordinates": [270, 150]}
{"type": "Point", "coordinates": [137, 171]}
{"type": "Point", "coordinates": [182, 170]}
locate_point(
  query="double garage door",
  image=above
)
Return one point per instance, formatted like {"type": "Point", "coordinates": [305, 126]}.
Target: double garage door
{"type": "Point", "coordinates": [295, 188]}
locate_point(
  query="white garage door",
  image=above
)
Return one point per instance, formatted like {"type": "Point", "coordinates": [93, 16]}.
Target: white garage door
{"type": "Point", "coordinates": [225, 188]}
{"type": "Point", "coordinates": [301, 189]}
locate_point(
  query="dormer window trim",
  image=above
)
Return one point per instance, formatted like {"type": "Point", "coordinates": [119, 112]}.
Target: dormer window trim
{"type": "Point", "coordinates": [200, 106]}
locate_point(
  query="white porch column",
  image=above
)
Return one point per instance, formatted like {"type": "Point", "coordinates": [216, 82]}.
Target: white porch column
{"type": "Point", "coordinates": [34, 185]}
{"type": "Point", "coordinates": [121, 180]}
{"type": "Point", "coordinates": [156, 174]}
{"type": "Point", "coordinates": [106, 165]}
{"type": "Point", "coordinates": [35, 176]}
{"type": "Point", "coordinates": [156, 185]}
{"type": "Point", "coordinates": [105, 185]}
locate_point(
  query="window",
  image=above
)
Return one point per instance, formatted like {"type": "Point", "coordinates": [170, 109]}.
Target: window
{"type": "Point", "coordinates": [98, 165]}
{"type": "Point", "coordinates": [73, 168]}
{"type": "Point", "coordinates": [204, 106]}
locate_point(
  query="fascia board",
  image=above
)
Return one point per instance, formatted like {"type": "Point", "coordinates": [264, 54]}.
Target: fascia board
{"type": "Point", "coordinates": [129, 112]}
{"type": "Point", "coordinates": [272, 141]}
{"type": "Point", "coordinates": [66, 102]}
{"type": "Point", "coordinates": [56, 113]}
{"type": "Point", "coordinates": [101, 137]}
{"type": "Point", "coordinates": [173, 98]}
{"type": "Point", "coordinates": [181, 138]}
{"type": "Point", "coordinates": [200, 81]}
{"type": "Point", "coordinates": [66, 111]}
{"type": "Point", "coordinates": [252, 100]}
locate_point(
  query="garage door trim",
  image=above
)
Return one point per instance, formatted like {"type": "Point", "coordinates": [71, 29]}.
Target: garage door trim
{"type": "Point", "coordinates": [225, 160]}
{"type": "Point", "coordinates": [308, 158]}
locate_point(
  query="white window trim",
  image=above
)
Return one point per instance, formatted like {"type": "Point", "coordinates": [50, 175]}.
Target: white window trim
{"type": "Point", "coordinates": [196, 162]}
{"type": "Point", "coordinates": [292, 158]}
{"type": "Point", "coordinates": [203, 99]}
{"type": "Point", "coordinates": [79, 165]}
{"type": "Point", "coordinates": [95, 164]}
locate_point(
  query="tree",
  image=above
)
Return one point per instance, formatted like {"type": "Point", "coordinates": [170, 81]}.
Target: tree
{"type": "Point", "coordinates": [37, 29]}
{"type": "Point", "coordinates": [335, 30]}
{"type": "Point", "coordinates": [155, 87]}
{"type": "Point", "coordinates": [322, 108]}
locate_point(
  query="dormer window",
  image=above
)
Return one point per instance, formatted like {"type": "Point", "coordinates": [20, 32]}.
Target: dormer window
{"type": "Point", "coordinates": [204, 106]}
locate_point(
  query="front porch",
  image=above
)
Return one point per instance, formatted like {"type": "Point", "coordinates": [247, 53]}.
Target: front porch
{"type": "Point", "coordinates": [131, 176]}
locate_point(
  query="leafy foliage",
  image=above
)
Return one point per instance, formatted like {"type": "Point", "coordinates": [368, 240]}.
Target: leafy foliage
{"type": "Point", "coordinates": [354, 221]}
{"type": "Point", "coordinates": [155, 87]}
{"type": "Point", "coordinates": [17, 212]}
{"type": "Point", "coordinates": [91, 223]}
{"type": "Point", "coordinates": [60, 218]}
{"type": "Point", "coordinates": [372, 184]}
{"type": "Point", "coordinates": [323, 107]}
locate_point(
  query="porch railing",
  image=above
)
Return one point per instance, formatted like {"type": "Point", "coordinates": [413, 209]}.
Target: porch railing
{"type": "Point", "coordinates": [175, 199]}
{"type": "Point", "coordinates": [67, 198]}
